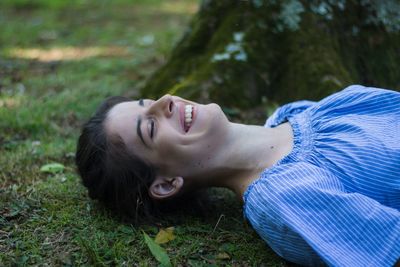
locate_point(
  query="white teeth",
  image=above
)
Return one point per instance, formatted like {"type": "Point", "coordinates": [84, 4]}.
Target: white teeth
{"type": "Point", "coordinates": [188, 115]}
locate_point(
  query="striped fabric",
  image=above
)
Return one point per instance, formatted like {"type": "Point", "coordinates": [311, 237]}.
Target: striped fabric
{"type": "Point", "coordinates": [335, 199]}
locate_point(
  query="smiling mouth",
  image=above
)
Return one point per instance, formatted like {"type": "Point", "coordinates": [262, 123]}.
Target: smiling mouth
{"type": "Point", "coordinates": [188, 117]}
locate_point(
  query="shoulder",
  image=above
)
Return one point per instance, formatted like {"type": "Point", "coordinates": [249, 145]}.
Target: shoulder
{"type": "Point", "coordinates": [283, 182]}
{"type": "Point", "coordinates": [276, 198]}
{"type": "Point", "coordinates": [292, 174]}
{"type": "Point", "coordinates": [359, 94]}
{"type": "Point", "coordinates": [351, 95]}
{"type": "Point", "coordinates": [355, 100]}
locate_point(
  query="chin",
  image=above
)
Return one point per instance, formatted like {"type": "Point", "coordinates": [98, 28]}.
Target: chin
{"type": "Point", "coordinates": [218, 112]}
{"type": "Point", "coordinates": [218, 120]}
{"type": "Point", "coordinates": [210, 122]}
{"type": "Point", "coordinates": [215, 109]}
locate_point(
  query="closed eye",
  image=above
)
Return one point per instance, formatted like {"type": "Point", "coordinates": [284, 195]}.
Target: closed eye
{"type": "Point", "coordinates": [152, 126]}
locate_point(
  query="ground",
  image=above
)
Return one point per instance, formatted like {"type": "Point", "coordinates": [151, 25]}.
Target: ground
{"type": "Point", "coordinates": [58, 60]}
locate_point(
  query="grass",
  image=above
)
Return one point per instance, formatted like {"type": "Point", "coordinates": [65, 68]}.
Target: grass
{"type": "Point", "coordinates": [58, 61]}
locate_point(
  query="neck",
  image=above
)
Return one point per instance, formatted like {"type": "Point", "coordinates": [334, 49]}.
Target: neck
{"type": "Point", "coordinates": [246, 152]}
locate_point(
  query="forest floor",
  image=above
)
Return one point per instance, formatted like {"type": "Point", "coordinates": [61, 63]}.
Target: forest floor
{"type": "Point", "coordinates": [58, 61]}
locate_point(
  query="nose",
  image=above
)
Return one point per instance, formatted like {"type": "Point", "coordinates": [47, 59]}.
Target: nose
{"type": "Point", "coordinates": [163, 106]}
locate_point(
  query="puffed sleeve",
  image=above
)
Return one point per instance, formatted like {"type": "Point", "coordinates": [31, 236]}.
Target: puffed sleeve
{"type": "Point", "coordinates": [282, 113]}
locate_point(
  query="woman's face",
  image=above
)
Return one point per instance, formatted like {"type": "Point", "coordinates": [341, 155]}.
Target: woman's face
{"type": "Point", "coordinates": [176, 136]}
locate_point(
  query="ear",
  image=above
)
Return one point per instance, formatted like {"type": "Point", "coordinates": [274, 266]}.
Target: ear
{"type": "Point", "coordinates": [165, 187]}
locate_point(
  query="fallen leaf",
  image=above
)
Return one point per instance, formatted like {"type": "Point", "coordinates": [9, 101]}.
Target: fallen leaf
{"type": "Point", "coordinates": [158, 252]}
{"type": "Point", "coordinates": [52, 168]}
{"type": "Point", "coordinates": [165, 235]}
{"type": "Point", "coordinates": [223, 256]}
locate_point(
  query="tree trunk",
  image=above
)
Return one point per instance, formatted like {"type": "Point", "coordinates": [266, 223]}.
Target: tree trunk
{"type": "Point", "coordinates": [239, 53]}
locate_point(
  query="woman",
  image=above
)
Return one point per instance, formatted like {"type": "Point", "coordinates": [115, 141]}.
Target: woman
{"type": "Point", "coordinates": [320, 183]}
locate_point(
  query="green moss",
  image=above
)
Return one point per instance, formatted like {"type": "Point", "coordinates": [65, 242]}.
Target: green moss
{"type": "Point", "coordinates": [191, 71]}
{"type": "Point", "coordinates": [312, 66]}
{"type": "Point", "coordinates": [320, 57]}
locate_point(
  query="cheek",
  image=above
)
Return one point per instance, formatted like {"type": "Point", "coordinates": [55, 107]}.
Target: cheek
{"type": "Point", "coordinates": [172, 158]}
{"type": "Point", "coordinates": [168, 147]}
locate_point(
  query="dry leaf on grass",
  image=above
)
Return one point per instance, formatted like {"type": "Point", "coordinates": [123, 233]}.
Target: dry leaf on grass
{"type": "Point", "coordinates": [165, 235]}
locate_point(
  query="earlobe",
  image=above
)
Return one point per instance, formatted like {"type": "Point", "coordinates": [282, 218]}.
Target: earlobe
{"type": "Point", "coordinates": [165, 187]}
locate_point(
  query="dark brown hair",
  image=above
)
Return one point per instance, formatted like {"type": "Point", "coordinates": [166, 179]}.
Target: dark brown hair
{"type": "Point", "coordinates": [117, 178]}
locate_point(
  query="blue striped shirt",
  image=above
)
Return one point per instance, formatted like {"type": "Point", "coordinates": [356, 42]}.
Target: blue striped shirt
{"type": "Point", "coordinates": [335, 199]}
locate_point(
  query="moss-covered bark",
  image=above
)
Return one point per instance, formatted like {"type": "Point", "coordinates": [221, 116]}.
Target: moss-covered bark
{"type": "Point", "coordinates": [239, 52]}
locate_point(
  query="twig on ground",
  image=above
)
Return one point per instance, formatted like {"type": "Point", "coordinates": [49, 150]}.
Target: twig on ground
{"type": "Point", "coordinates": [216, 225]}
